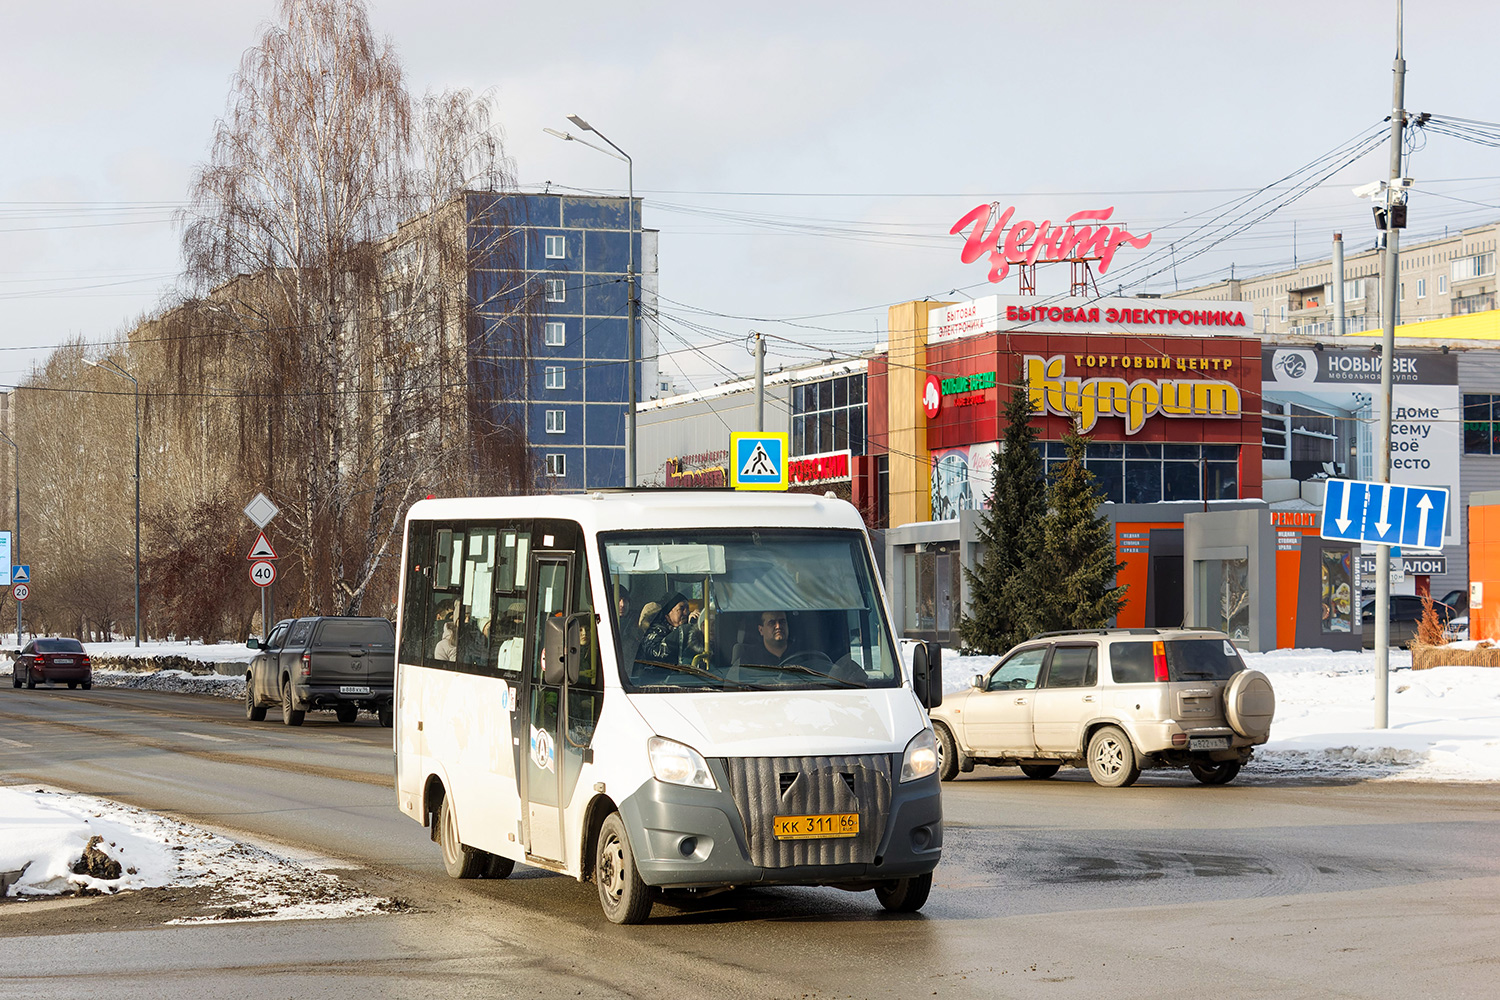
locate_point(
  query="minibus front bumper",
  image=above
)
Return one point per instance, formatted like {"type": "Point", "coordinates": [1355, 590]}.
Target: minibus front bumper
{"type": "Point", "coordinates": [689, 837]}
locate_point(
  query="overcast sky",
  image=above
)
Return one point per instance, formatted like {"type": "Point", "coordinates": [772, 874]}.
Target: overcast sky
{"type": "Point", "coordinates": [802, 161]}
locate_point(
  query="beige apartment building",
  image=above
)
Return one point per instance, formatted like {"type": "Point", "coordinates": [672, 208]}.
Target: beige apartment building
{"type": "Point", "coordinates": [1448, 276]}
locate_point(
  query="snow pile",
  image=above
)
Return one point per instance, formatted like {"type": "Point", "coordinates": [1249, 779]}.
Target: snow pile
{"type": "Point", "coordinates": [46, 834]}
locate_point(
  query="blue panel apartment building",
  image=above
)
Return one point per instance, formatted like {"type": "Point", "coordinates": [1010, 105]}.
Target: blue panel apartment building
{"type": "Point", "coordinates": [547, 301]}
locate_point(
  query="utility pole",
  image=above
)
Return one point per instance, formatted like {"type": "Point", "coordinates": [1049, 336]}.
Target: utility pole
{"type": "Point", "coordinates": [15, 540]}
{"type": "Point", "coordinates": [1338, 285]}
{"type": "Point", "coordinates": [1395, 220]}
{"type": "Point", "coordinates": [760, 381]}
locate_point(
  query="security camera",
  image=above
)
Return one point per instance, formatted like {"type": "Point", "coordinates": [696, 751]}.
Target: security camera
{"type": "Point", "coordinates": [1370, 190]}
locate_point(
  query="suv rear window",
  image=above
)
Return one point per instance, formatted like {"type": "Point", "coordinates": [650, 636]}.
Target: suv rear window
{"type": "Point", "coordinates": [59, 646]}
{"type": "Point", "coordinates": [1187, 660]}
{"type": "Point", "coordinates": [366, 632]}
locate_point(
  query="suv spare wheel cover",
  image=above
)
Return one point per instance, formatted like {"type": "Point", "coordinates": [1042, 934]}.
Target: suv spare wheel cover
{"type": "Point", "coordinates": [1249, 704]}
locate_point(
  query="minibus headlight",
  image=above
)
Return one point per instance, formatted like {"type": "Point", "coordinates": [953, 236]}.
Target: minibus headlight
{"type": "Point", "coordinates": [921, 757]}
{"type": "Point", "coordinates": [678, 764]}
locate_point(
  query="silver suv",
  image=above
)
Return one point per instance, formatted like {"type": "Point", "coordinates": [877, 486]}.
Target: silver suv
{"type": "Point", "coordinates": [1114, 701]}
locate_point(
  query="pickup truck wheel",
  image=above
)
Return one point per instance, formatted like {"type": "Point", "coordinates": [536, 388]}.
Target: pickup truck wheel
{"type": "Point", "coordinates": [387, 717]}
{"type": "Point", "coordinates": [1112, 760]}
{"type": "Point", "coordinates": [904, 895]}
{"type": "Point", "coordinates": [346, 713]}
{"type": "Point", "coordinates": [459, 860]}
{"type": "Point", "coordinates": [289, 716]}
{"type": "Point", "coordinates": [253, 712]}
{"type": "Point", "coordinates": [947, 752]}
{"type": "Point", "coordinates": [623, 894]}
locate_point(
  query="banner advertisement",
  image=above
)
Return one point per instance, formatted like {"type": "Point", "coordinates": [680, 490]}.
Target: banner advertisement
{"type": "Point", "coordinates": [1322, 415]}
{"type": "Point", "coordinates": [962, 479]}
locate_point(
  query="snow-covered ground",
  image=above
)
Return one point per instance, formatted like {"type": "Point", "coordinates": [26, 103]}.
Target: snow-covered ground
{"type": "Point", "coordinates": [1444, 726]}
{"type": "Point", "coordinates": [45, 835]}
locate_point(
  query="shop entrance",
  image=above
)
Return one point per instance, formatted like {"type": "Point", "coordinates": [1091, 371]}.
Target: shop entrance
{"type": "Point", "coordinates": [1164, 607]}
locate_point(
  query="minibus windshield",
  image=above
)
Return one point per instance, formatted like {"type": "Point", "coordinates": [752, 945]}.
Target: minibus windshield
{"type": "Point", "coordinates": [747, 610]}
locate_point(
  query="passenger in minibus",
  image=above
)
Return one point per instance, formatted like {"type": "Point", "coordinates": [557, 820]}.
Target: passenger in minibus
{"type": "Point", "coordinates": [630, 628]}
{"type": "Point", "coordinates": [671, 636]}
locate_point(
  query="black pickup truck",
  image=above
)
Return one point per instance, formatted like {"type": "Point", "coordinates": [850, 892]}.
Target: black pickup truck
{"type": "Point", "coordinates": [323, 664]}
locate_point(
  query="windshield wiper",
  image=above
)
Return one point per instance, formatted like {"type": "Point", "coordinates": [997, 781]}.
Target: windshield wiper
{"type": "Point", "coordinates": [800, 669]}
{"type": "Point", "coordinates": [696, 672]}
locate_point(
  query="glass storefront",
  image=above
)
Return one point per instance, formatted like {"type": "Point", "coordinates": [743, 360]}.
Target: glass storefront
{"type": "Point", "coordinates": [1148, 473]}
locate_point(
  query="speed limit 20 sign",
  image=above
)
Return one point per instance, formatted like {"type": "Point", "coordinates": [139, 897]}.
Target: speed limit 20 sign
{"type": "Point", "coordinates": [263, 573]}
{"type": "Point", "coordinates": [21, 592]}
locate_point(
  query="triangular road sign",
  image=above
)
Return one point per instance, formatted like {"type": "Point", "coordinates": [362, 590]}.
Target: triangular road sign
{"type": "Point", "coordinates": [262, 549]}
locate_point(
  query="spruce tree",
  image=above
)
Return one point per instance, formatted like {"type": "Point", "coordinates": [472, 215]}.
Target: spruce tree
{"type": "Point", "coordinates": [1001, 585]}
{"type": "Point", "coordinates": [1078, 554]}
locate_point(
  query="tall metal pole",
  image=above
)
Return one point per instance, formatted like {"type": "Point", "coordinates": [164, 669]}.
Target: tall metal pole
{"type": "Point", "coordinates": [760, 382]}
{"type": "Point", "coordinates": [15, 542]}
{"type": "Point", "coordinates": [1389, 296]}
{"type": "Point", "coordinates": [1338, 286]}
{"type": "Point", "coordinates": [630, 375]}
{"type": "Point", "coordinates": [137, 387]}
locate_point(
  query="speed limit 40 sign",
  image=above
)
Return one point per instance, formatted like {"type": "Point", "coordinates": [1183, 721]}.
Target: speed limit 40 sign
{"type": "Point", "coordinates": [263, 573]}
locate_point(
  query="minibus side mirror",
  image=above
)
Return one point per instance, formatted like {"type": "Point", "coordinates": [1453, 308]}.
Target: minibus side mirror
{"type": "Point", "coordinates": [565, 646]}
{"type": "Point", "coordinates": [253, 642]}
{"type": "Point", "coordinates": [927, 673]}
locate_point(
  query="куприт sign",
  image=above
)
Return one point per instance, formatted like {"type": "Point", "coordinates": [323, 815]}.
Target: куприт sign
{"type": "Point", "coordinates": [1136, 400]}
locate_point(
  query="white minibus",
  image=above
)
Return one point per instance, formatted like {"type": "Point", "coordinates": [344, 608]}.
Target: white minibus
{"type": "Point", "coordinates": [669, 691]}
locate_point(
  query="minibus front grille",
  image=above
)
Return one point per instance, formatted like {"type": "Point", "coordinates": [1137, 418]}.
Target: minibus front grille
{"type": "Point", "coordinates": [766, 787]}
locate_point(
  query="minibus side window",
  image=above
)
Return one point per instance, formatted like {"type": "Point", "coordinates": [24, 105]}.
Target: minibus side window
{"type": "Point", "coordinates": [417, 597]}
{"type": "Point", "coordinates": [507, 633]}
{"type": "Point", "coordinates": [444, 618]}
{"type": "Point", "coordinates": [585, 697]}
{"type": "Point", "coordinates": [474, 619]}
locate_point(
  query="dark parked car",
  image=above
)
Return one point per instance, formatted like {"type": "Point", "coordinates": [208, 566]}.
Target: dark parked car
{"type": "Point", "coordinates": [1458, 600]}
{"type": "Point", "coordinates": [1406, 612]}
{"type": "Point", "coordinates": [53, 660]}
{"type": "Point", "coordinates": [323, 664]}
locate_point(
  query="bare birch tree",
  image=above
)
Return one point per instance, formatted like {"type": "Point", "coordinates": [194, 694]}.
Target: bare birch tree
{"type": "Point", "coordinates": [328, 251]}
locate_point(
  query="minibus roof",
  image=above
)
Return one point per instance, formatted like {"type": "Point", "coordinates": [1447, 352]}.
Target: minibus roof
{"type": "Point", "coordinates": [616, 510]}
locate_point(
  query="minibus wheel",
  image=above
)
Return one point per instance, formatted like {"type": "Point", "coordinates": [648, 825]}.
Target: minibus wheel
{"type": "Point", "coordinates": [904, 895]}
{"type": "Point", "coordinates": [626, 899]}
{"type": "Point", "coordinates": [459, 859]}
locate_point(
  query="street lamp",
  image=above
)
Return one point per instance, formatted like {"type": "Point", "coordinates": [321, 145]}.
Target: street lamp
{"type": "Point", "coordinates": [629, 283]}
{"type": "Point", "coordinates": [15, 542]}
{"type": "Point", "coordinates": [110, 366]}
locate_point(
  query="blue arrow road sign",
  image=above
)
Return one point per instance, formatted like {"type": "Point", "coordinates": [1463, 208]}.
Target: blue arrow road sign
{"type": "Point", "coordinates": [1385, 513]}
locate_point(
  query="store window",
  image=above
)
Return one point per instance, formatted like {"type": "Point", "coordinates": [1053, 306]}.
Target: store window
{"type": "Point", "coordinates": [1148, 473]}
{"type": "Point", "coordinates": [1481, 420]}
{"type": "Point", "coordinates": [829, 416]}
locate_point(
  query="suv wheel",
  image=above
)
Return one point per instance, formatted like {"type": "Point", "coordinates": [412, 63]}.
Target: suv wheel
{"type": "Point", "coordinates": [947, 751]}
{"type": "Point", "coordinates": [1214, 772]}
{"type": "Point", "coordinates": [1039, 771]}
{"type": "Point", "coordinates": [1112, 759]}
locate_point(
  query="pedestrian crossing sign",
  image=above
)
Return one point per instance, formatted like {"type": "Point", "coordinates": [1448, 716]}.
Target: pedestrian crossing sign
{"type": "Point", "coordinates": [758, 461]}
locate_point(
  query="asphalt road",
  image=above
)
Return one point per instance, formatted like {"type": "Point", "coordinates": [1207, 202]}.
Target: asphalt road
{"type": "Point", "coordinates": [1264, 888]}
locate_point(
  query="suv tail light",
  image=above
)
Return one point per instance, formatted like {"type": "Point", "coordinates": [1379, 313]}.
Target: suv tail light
{"type": "Point", "coordinates": [306, 664]}
{"type": "Point", "coordinates": [1159, 659]}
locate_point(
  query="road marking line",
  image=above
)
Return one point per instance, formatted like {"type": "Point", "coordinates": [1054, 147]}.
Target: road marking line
{"type": "Point", "coordinates": [15, 743]}
{"type": "Point", "coordinates": [201, 736]}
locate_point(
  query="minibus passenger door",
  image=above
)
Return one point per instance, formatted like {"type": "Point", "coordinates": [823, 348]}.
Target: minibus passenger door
{"type": "Point", "coordinates": [541, 780]}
